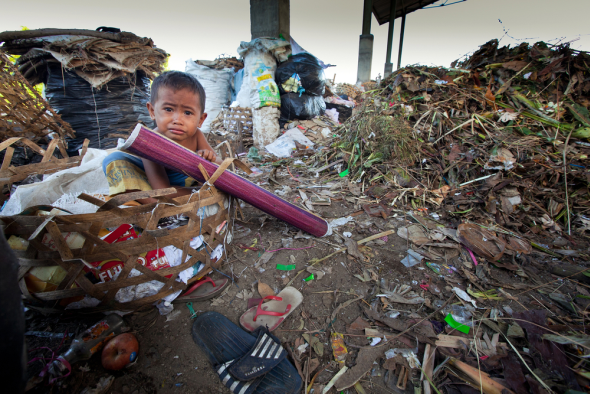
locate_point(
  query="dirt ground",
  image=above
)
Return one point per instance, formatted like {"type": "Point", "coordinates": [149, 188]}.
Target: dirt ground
{"type": "Point", "coordinates": [169, 361]}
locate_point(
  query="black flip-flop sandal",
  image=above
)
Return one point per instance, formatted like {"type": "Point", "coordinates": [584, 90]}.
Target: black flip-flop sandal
{"type": "Point", "coordinates": [246, 363]}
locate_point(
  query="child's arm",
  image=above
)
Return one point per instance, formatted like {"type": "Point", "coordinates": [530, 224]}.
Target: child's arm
{"type": "Point", "coordinates": [205, 150]}
{"type": "Point", "coordinates": [157, 178]}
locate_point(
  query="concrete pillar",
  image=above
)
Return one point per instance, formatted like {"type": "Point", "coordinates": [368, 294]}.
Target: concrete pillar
{"type": "Point", "coordinates": [270, 18]}
{"type": "Point", "coordinates": [365, 45]}
{"type": "Point", "coordinates": [401, 41]}
{"type": "Point", "coordinates": [388, 64]}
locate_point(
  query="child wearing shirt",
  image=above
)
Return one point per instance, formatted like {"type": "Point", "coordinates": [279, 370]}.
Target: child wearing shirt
{"type": "Point", "coordinates": [177, 104]}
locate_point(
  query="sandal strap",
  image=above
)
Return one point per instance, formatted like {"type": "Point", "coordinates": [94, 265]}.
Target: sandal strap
{"type": "Point", "coordinates": [198, 284]}
{"type": "Point", "coordinates": [260, 311]}
{"type": "Point", "coordinates": [266, 354]}
{"type": "Point", "coordinates": [236, 386]}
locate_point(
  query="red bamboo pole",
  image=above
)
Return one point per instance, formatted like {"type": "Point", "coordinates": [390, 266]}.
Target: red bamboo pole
{"type": "Point", "coordinates": [154, 146]}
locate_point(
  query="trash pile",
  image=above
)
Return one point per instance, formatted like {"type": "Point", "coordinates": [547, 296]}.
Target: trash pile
{"type": "Point", "coordinates": [499, 131]}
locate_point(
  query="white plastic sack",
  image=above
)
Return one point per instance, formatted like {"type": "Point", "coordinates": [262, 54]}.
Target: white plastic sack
{"type": "Point", "coordinates": [265, 122]}
{"type": "Point", "coordinates": [243, 97]}
{"type": "Point", "coordinates": [260, 63]}
{"type": "Point", "coordinates": [86, 178]}
{"type": "Point", "coordinates": [217, 85]}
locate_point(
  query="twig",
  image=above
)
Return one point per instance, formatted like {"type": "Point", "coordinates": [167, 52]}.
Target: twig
{"type": "Point", "coordinates": [477, 355]}
{"type": "Point", "coordinates": [567, 205]}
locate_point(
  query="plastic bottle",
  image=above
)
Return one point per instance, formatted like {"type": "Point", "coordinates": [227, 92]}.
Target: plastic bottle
{"type": "Point", "coordinates": [89, 342]}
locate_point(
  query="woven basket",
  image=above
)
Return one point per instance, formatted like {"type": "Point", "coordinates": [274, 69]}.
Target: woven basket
{"type": "Point", "coordinates": [238, 118]}
{"type": "Point", "coordinates": [110, 215]}
{"type": "Point", "coordinates": [48, 165]}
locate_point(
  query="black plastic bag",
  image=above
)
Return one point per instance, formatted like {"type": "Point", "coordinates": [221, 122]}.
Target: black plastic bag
{"type": "Point", "coordinates": [115, 108]}
{"type": "Point", "coordinates": [309, 70]}
{"type": "Point", "coordinates": [304, 107]}
{"type": "Point", "coordinates": [344, 112]}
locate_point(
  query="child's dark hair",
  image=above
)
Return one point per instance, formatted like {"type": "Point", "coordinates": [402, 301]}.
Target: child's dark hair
{"type": "Point", "coordinates": [177, 80]}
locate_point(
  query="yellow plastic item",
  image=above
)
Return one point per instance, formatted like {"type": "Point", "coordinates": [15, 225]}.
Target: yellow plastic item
{"type": "Point", "coordinates": [17, 243]}
{"type": "Point", "coordinates": [339, 348]}
{"type": "Point", "coordinates": [41, 279]}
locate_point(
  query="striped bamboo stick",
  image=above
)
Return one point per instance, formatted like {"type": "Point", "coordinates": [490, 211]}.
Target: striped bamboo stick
{"type": "Point", "coordinates": [153, 146]}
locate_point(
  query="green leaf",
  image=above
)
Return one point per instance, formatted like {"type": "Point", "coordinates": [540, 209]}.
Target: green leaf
{"type": "Point", "coordinates": [580, 113]}
{"type": "Point", "coordinates": [582, 133]}
{"type": "Point", "coordinates": [375, 157]}
{"type": "Point", "coordinates": [525, 131]}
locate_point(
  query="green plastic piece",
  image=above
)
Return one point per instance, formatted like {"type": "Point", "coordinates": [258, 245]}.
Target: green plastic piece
{"type": "Point", "coordinates": [344, 173]}
{"type": "Point", "coordinates": [456, 325]}
{"type": "Point", "coordinates": [192, 311]}
{"type": "Point", "coordinates": [310, 277]}
{"type": "Point", "coordinates": [434, 267]}
{"type": "Point", "coordinates": [283, 267]}
{"type": "Point", "coordinates": [253, 154]}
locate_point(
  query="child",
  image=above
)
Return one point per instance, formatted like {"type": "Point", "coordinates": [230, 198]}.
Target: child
{"type": "Point", "coordinates": [177, 104]}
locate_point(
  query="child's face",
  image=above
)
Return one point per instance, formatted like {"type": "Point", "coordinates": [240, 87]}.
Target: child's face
{"type": "Point", "coordinates": [178, 115]}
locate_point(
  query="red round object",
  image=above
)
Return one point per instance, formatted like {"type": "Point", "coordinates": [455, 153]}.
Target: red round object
{"type": "Point", "coordinates": [120, 351]}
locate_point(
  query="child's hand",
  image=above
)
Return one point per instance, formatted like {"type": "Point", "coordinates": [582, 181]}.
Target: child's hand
{"type": "Point", "coordinates": [207, 155]}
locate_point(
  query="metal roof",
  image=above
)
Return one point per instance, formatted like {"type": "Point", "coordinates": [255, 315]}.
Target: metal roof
{"type": "Point", "coordinates": [382, 8]}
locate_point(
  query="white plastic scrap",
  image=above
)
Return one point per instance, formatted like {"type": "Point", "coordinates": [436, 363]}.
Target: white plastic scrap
{"type": "Point", "coordinates": [285, 144]}
{"type": "Point", "coordinates": [464, 296]}
{"type": "Point", "coordinates": [409, 354]}
{"type": "Point", "coordinates": [337, 223]}
{"type": "Point", "coordinates": [413, 258]}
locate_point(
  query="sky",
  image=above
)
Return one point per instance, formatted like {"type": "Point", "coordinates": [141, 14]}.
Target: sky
{"type": "Point", "coordinates": [329, 29]}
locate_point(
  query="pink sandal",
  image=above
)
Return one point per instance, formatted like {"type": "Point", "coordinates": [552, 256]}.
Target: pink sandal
{"type": "Point", "coordinates": [272, 313]}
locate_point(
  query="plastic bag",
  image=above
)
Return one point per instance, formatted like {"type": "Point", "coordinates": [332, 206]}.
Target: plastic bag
{"type": "Point", "coordinates": [343, 111]}
{"type": "Point", "coordinates": [237, 81]}
{"type": "Point", "coordinates": [263, 89]}
{"type": "Point", "coordinates": [217, 85]}
{"type": "Point", "coordinates": [87, 178]}
{"type": "Point", "coordinates": [309, 71]}
{"type": "Point", "coordinates": [304, 107]}
{"type": "Point", "coordinates": [260, 63]}
{"type": "Point", "coordinates": [243, 95]}
{"type": "Point", "coordinates": [115, 108]}
{"type": "Point", "coordinates": [293, 85]}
